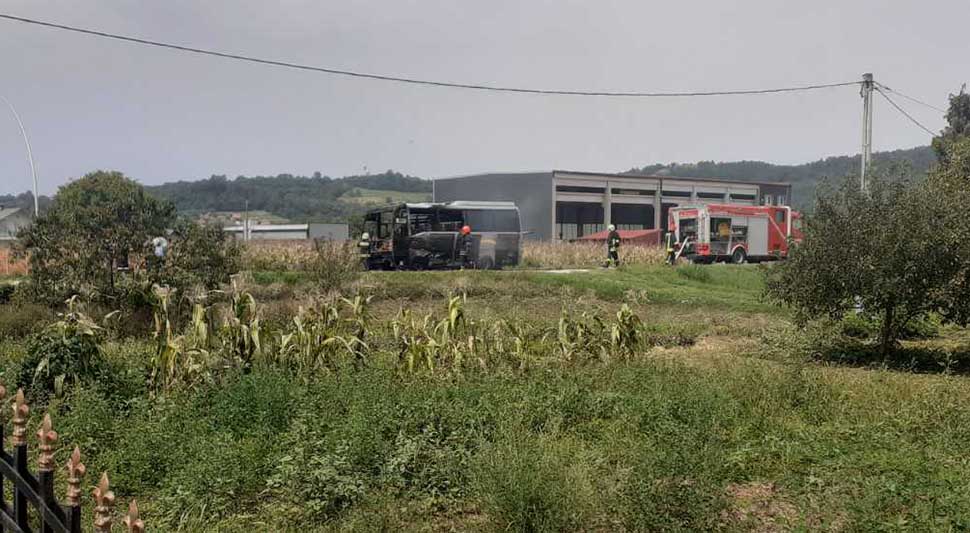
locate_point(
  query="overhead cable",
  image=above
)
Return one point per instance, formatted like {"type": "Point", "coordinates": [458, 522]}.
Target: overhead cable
{"type": "Point", "coordinates": [415, 81]}
{"type": "Point", "coordinates": [910, 98]}
{"type": "Point", "coordinates": [901, 110]}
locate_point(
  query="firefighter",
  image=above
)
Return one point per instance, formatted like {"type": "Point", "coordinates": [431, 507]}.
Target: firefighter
{"type": "Point", "coordinates": [465, 252]}
{"type": "Point", "coordinates": [671, 255]}
{"type": "Point", "coordinates": [363, 248]}
{"type": "Point", "coordinates": [613, 247]}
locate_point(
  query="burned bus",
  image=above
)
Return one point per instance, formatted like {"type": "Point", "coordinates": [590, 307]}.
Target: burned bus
{"type": "Point", "coordinates": [423, 236]}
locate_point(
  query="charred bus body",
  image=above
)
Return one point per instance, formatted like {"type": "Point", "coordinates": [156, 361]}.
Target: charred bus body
{"type": "Point", "coordinates": [428, 236]}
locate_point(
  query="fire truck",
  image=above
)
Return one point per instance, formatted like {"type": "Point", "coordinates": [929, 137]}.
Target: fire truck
{"type": "Point", "coordinates": [735, 233]}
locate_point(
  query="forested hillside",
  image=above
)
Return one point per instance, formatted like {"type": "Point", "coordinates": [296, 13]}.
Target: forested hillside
{"type": "Point", "coordinates": [803, 178]}
{"type": "Point", "coordinates": [320, 198]}
{"type": "Point", "coordinates": [297, 198]}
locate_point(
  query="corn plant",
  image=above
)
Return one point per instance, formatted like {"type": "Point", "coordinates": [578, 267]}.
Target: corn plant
{"type": "Point", "coordinates": [240, 331]}
{"type": "Point", "coordinates": [625, 332]}
{"type": "Point", "coordinates": [321, 339]}
{"type": "Point", "coordinates": [179, 359]}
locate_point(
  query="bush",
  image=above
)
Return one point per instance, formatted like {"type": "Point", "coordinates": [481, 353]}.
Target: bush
{"type": "Point", "coordinates": [336, 265]}
{"type": "Point", "coordinates": [67, 351]}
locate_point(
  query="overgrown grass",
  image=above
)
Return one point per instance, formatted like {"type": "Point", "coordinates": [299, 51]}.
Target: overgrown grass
{"type": "Point", "coordinates": [682, 435]}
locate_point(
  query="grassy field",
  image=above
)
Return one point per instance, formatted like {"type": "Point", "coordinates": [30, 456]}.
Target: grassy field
{"type": "Point", "coordinates": [720, 420]}
{"type": "Point", "coordinates": [370, 197]}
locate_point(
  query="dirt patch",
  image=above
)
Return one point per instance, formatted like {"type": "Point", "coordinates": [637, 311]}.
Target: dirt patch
{"type": "Point", "coordinates": [759, 507]}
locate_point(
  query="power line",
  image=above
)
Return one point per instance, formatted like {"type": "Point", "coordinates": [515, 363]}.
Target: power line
{"type": "Point", "coordinates": [910, 98]}
{"type": "Point", "coordinates": [416, 81]}
{"type": "Point", "coordinates": [907, 115]}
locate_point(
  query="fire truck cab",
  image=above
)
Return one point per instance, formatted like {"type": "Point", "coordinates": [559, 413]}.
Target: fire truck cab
{"type": "Point", "coordinates": [735, 233]}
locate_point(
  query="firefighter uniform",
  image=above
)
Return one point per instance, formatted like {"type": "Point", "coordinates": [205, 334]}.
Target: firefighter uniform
{"type": "Point", "coordinates": [363, 248]}
{"type": "Point", "coordinates": [613, 247]}
{"type": "Point", "coordinates": [465, 252]}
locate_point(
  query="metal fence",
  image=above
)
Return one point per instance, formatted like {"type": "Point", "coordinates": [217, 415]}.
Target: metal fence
{"type": "Point", "coordinates": [33, 506]}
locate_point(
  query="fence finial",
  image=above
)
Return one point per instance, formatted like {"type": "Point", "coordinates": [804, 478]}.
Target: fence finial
{"type": "Point", "coordinates": [135, 524]}
{"type": "Point", "coordinates": [47, 437]}
{"type": "Point", "coordinates": [104, 502]}
{"type": "Point", "coordinates": [20, 412]}
{"type": "Point", "coordinates": [75, 473]}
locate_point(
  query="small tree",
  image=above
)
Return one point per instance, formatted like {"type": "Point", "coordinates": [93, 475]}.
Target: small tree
{"type": "Point", "coordinates": [883, 252]}
{"type": "Point", "coordinates": [198, 255]}
{"type": "Point", "coordinates": [91, 226]}
{"type": "Point", "coordinates": [958, 125]}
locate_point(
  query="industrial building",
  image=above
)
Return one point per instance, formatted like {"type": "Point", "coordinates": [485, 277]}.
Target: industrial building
{"type": "Point", "coordinates": [563, 204]}
{"type": "Point", "coordinates": [289, 232]}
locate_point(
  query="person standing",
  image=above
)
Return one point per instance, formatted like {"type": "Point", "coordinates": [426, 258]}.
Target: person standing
{"type": "Point", "coordinates": [363, 249]}
{"type": "Point", "coordinates": [465, 252]}
{"type": "Point", "coordinates": [613, 247]}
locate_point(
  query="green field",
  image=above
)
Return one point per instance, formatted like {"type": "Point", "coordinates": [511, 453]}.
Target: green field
{"type": "Point", "coordinates": [374, 197]}
{"type": "Point", "coordinates": [718, 420]}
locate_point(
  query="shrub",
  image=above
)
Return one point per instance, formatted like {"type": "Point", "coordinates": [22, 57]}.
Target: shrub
{"type": "Point", "coordinates": [335, 266]}
{"type": "Point", "coordinates": [67, 351]}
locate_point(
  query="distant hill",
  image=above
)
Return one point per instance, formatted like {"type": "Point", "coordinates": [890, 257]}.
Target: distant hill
{"type": "Point", "coordinates": [804, 178]}
{"type": "Point", "coordinates": [295, 198]}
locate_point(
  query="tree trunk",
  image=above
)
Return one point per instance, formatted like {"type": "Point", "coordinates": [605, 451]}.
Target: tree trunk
{"type": "Point", "coordinates": [886, 336]}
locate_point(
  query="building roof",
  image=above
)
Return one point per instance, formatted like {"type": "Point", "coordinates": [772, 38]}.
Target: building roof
{"type": "Point", "coordinates": [615, 175]}
{"type": "Point", "coordinates": [7, 211]}
{"type": "Point", "coordinates": [689, 178]}
{"type": "Point", "coordinates": [270, 227]}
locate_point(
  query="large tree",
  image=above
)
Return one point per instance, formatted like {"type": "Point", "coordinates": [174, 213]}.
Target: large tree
{"type": "Point", "coordinates": [957, 128]}
{"type": "Point", "coordinates": [92, 225]}
{"type": "Point", "coordinates": [896, 252]}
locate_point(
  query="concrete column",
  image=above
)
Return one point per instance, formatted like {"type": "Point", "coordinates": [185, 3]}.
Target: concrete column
{"type": "Point", "coordinates": [727, 197]}
{"type": "Point", "coordinates": [607, 205]}
{"type": "Point", "coordinates": [657, 208]}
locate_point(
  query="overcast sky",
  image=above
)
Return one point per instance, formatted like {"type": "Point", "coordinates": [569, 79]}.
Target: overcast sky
{"type": "Point", "coordinates": [160, 115]}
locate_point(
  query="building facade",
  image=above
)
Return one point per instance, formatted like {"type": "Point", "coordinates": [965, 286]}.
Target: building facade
{"type": "Point", "coordinates": [11, 220]}
{"type": "Point", "coordinates": [567, 205]}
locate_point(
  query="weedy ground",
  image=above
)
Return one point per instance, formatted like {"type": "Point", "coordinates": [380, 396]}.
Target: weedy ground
{"type": "Point", "coordinates": [736, 425]}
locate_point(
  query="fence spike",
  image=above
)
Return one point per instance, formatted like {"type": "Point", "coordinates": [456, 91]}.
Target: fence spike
{"type": "Point", "coordinates": [75, 474]}
{"type": "Point", "coordinates": [104, 502]}
{"type": "Point", "coordinates": [47, 437]}
{"type": "Point", "coordinates": [135, 524]}
{"type": "Point", "coordinates": [20, 412]}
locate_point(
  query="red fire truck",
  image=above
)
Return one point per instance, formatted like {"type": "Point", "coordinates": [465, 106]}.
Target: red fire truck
{"type": "Point", "coordinates": [736, 233]}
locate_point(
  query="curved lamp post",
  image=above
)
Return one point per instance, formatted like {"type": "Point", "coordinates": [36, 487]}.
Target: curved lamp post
{"type": "Point", "coordinates": [30, 157]}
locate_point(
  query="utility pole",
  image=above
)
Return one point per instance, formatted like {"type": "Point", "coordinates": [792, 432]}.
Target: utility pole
{"type": "Point", "coordinates": [246, 222]}
{"type": "Point", "coordinates": [866, 129]}
{"type": "Point", "coordinates": [30, 157]}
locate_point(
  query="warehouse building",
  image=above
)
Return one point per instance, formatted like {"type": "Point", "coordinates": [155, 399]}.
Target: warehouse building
{"type": "Point", "coordinates": [564, 204]}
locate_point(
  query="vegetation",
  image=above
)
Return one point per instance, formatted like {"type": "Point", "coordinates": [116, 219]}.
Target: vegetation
{"type": "Point", "coordinates": [895, 253]}
{"type": "Point", "coordinates": [299, 198]}
{"type": "Point", "coordinates": [804, 178]}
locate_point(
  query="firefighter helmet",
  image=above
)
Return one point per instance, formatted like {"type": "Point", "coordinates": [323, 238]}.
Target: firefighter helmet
{"type": "Point", "coordinates": [612, 227]}
{"type": "Point", "coordinates": [465, 230]}
{"type": "Point", "coordinates": [364, 236]}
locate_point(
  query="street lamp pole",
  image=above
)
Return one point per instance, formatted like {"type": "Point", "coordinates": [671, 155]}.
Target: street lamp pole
{"type": "Point", "coordinates": [30, 157]}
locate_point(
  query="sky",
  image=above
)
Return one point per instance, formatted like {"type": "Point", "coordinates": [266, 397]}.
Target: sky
{"type": "Point", "coordinates": [159, 115]}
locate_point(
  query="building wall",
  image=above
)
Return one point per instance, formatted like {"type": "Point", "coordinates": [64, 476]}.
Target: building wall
{"type": "Point", "coordinates": [330, 232]}
{"type": "Point", "coordinates": [531, 192]}
{"type": "Point", "coordinates": [567, 205]}
{"type": "Point", "coordinates": [10, 224]}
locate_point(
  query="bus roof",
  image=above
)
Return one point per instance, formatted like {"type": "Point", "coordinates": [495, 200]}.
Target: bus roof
{"type": "Point", "coordinates": [450, 205]}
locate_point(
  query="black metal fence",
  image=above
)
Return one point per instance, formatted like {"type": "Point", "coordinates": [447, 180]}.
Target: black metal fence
{"type": "Point", "coordinates": [33, 503]}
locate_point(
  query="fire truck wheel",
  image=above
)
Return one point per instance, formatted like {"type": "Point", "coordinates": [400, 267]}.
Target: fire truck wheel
{"type": "Point", "coordinates": [739, 257]}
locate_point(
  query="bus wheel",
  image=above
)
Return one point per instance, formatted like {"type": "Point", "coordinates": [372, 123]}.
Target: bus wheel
{"type": "Point", "coordinates": [739, 257]}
